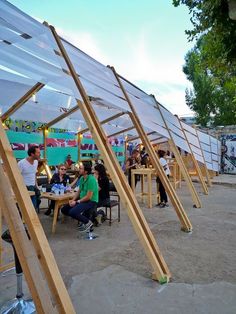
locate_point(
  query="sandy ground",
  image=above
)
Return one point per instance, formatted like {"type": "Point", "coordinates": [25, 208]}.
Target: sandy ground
{"type": "Point", "coordinates": [111, 274]}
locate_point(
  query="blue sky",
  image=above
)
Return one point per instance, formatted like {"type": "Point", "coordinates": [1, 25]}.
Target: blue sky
{"type": "Point", "coordinates": [143, 40]}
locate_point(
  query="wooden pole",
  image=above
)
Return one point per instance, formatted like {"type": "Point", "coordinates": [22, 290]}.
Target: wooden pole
{"type": "Point", "coordinates": [133, 138]}
{"type": "Point", "coordinates": [198, 170]}
{"type": "Point", "coordinates": [38, 238]}
{"type": "Point", "coordinates": [155, 139]}
{"type": "Point", "coordinates": [25, 251]}
{"type": "Point", "coordinates": [136, 216]}
{"type": "Point", "coordinates": [61, 117]}
{"type": "Point", "coordinates": [122, 131]}
{"type": "Point", "coordinates": [186, 225]}
{"type": "Point", "coordinates": [22, 101]}
{"type": "Point", "coordinates": [80, 136]}
{"type": "Point", "coordinates": [45, 133]}
{"type": "Point", "coordinates": [193, 192]}
{"type": "Point", "coordinates": [204, 165]}
{"type": "Point", "coordinates": [105, 121]}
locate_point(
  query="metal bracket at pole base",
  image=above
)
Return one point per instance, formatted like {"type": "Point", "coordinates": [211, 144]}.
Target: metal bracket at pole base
{"type": "Point", "coordinates": [19, 306]}
{"type": "Point", "coordinates": [162, 280]}
{"type": "Point", "coordinates": [184, 229]}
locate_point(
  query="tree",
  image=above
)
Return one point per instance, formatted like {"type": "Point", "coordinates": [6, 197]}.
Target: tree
{"type": "Point", "coordinates": [211, 64]}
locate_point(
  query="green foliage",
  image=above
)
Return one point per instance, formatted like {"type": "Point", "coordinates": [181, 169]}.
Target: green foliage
{"type": "Point", "coordinates": [211, 64]}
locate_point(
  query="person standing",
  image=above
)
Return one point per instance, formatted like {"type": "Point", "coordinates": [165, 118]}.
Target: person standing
{"type": "Point", "coordinates": [28, 168]}
{"type": "Point", "coordinates": [69, 162]}
{"type": "Point", "coordinates": [163, 195]}
{"type": "Point", "coordinates": [133, 162]}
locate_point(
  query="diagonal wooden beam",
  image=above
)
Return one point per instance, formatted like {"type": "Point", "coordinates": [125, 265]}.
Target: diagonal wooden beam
{"type": "Point", "coordinates": [130, 203]}
{"type": "Point", "coordinates": [155, 139]}
{"type": "Point", "coordinates": [196, 165]}
{"type": "Point", "coordinates": [186, 225]}
{"type": "Point", "coordinates": [26, 253]}
{"type": "Point", "coordinates": [122, 131]}
{"type": "Point", "coordinates": [22, 101]}
{"type": "Point", "coordinates": [105, 121]}
{"type": "Point", "coordinates": [48, 265]}
{"type": "Point", "coordinates": [62, 116]}
{"type": "Point", "coordinates": [137, 137]}
{"type": "Point", "coordinates": [193, 192]}
{"type": "Point", "coordinates": [205, 166]}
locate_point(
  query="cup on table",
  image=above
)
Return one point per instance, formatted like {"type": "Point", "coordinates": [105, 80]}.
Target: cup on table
{"type": "Point", "coordinates": [56, 192]}
{"type": "Point", "coordinates": [43, 190]}
{"type": "Point", "coordinates": [62, 191]}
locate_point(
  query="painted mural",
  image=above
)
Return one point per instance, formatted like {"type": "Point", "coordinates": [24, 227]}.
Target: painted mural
{"type": "Point", "coordinates": [228, 158]}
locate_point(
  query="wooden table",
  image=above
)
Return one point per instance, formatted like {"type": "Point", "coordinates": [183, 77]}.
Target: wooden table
{"type": "Point", "coordinates": [175, 176]}
{"type": "Point", "coordinates": [148, 173]}
{"type": "Point", "coordinates": [59, 201]}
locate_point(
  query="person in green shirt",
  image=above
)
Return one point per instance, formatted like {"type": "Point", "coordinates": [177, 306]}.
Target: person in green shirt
{"type": "Point", "coordinates": [84, 203]}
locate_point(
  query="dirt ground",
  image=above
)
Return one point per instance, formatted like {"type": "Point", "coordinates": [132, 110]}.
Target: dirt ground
{"type": "Point", "coordinates": [203, 258]}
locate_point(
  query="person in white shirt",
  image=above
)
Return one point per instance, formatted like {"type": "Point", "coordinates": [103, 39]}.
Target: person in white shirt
{"type": "Point", "coordinates": [163, 195]}
{"type": "Point", "coordinates": [28, 168]}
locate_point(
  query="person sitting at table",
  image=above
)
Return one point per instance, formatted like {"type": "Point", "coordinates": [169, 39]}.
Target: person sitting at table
{"type": "Point", "coordinates": [133, 162]}
{"type": "Point", "coordinates": [104, 187]}
{"type": "Point", "coordinates": [58, 178]}
{"type": "Point", "coordinates": [69, 162]}
{"type": "Point", "coordinates": [84, 203]}
{"type": "Point", "coordinates": [163, 195]}
{"type": "Point", "coordinates": [103, 184]}
{"type": "Point", "coordinates": [75, 183]}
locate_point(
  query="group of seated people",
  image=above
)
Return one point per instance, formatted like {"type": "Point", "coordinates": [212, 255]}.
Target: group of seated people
{"type": "Point", "coordinates": [93, 192]}
{"type": "Point", "coordinates": [93, 189]}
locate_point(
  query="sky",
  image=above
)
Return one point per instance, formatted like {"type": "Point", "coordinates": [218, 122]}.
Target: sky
{"type": "Point", "coordinates": [144, 40]}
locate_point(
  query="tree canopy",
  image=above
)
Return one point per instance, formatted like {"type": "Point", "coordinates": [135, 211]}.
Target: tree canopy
{"type": "Point", "coordinates": [211, 64]}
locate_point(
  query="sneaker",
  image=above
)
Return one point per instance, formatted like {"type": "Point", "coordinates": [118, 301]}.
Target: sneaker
{"type": "Point", "coordinates": [167, 205]}
{"type": "Point", "coordinates": [158, 204]}
{"type": "Point", "coordinates": [86, 227]}
{"type": "Point", "coordinates": [162, 205]}
{"type": "Point", "coordinates": [48, 212]}
{"type": "Point", "coordinates": [80, 225]}
{"type": "Point", "coordinates": [99, 219]}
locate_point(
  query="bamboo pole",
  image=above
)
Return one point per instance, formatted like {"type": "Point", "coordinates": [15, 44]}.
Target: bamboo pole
{"type": "Point", "coordinates": [140, 225]}
{"type": "Point", "coordinates": [22, 101]}
{"type": "Point", "coordinates": [186, 225]}
{"type": "Point", "coordinates": [193, 192]}
{"type": "Point", "coordinates": [198, 170]}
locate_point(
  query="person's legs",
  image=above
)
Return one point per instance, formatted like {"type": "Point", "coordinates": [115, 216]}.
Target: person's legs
{"type": "Point", "coordinates": [163, 195]}
{"type": "Point", "coordinates": [50, 208]}
{"type": "Point", "coordinates": [77, 211]}
{"type": "Point", "coordinates": [33, 198]}
{"type": "Point", "coordinates": [66, 210]}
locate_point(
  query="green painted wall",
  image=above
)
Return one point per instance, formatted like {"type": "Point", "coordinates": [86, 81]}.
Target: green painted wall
{"type": "Point", "coordinates": [56, 155]}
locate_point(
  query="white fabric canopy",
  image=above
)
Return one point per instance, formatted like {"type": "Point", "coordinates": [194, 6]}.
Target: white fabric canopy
{"type": "Point", "coordinates": [29, 54]}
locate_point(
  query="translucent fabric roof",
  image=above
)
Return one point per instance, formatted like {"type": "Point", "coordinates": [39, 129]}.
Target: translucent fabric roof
{"type": "Point", "coordinates": [29, 54]}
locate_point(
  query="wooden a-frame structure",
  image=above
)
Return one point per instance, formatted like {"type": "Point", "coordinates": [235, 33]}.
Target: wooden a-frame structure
{"type": "Point", "coordinates": [45, 282]}
{"type": "Point", "coordinates": [39, 266]}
